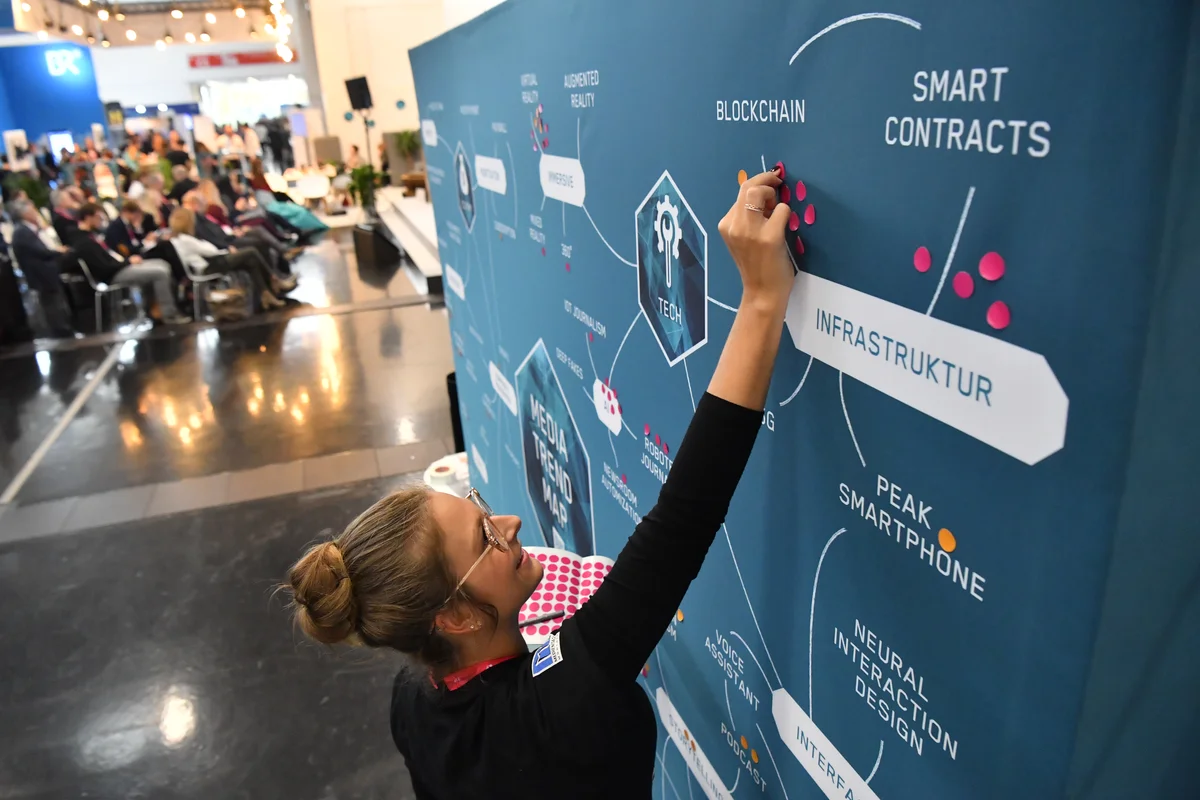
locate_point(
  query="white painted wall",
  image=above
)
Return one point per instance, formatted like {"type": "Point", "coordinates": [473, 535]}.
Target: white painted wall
{"type": "Point", "coordinates": [456, 12]}
{"type": "Point", "coordinates": [143, 75]}
{"type": "Point", "coordinates": [372, 38]}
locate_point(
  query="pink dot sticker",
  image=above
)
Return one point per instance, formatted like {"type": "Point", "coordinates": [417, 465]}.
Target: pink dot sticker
{"type": "Point", "coordinates": [794, 222]}
{"type": "Point", "coordinates": [801, 191]}
{"type": "Point", "coordinates": [534, 606]}
{"type": "Point", "coordinates": [782, 171]}
{"type": "Point", "coordinates": [810, 214]}
{"type": "Point", "coordinates": [998, 315]}
{"type": "Point", "coordinates": [590, 337]}
{"type": "Point", "coordinates": [575, 572]}
{"type": "Point", "coordinates": [964, 285]}
{"type": "Point", "coordinates": [544, 630]}
{"type": "Point", "coordinates": [535, 596]}
{"type": "Point", "coordinates": [568, 266]}
{"type": "Point", "coordinates": [647, 428]}
{"type": "Point", "coordinates": [785, 194]}
{"type": "Point", "coordinates": [623, 478]}
{"type": "Point", "coordinates": [559, 607]}
{"type": "Point", "coordinates": [991, 266]}
{"type": "Point", "coordinates": [665, 448]}
{"type": "Point", "coordinates": [553, 559]}
{"type": "Point", "coordinates": [543, 251]}
{"type": "Point", "coordinates": [799, 246]}
{"type": "Point", "coordinates": [922, 260]}
{"type": "Point", "coordinates": [560, 597]}
{"type": "Point", "coordinates": [545, 143]}
{"type": "Point", "coordinates": [657, 439]}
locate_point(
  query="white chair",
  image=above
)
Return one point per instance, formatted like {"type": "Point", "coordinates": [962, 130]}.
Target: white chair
{"type": "Point", "coordinates": [200, 281]}
{"type": "Point", "coordinates": [99, 290]}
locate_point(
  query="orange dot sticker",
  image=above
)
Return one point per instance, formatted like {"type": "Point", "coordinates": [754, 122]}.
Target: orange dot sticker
{"type": "Point", "coordinates": [679, 615]}
{"type": "Point", "coordinates": [693, 745]}
{"type": "Point", "coordinates": [745, 744]}
{"type": "Point", "coordinates": [741, 176]}
{"type": "Point", "coordinates": [946, 540]}
{"type": "Point", "coordinates": [754, 756]}
{"type": "Point", "coordinates": [685, 734]}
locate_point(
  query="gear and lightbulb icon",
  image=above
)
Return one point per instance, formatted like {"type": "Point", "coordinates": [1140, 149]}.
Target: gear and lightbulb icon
{"type": "Point", "coordinates": [667, 231]}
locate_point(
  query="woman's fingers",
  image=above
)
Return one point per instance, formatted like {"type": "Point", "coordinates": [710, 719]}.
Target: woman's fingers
{"type": "Point", "coordinates": [761, 196]}
{"type": "Point", "coordinates": [769, 178]}
{"type": "Point", "coordinates": [779, 220]}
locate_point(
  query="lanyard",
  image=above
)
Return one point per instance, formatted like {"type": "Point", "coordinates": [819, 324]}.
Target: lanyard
{"type": "Point", "coordinates": [459, 679]}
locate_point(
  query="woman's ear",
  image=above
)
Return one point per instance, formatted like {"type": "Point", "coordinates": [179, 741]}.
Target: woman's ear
{"type": "Point", "coordinates": [457, 620]}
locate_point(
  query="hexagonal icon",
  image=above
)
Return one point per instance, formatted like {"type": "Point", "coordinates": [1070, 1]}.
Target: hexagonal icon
{"type": "Point", "coordinates": [464, 183]}
{"type": "Point", "coordinates": [558, 475]}
{"type": "Point", "coordinates": [672, 257]}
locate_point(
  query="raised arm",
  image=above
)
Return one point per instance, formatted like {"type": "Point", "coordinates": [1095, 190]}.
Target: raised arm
{"type": "Point", "coordinates": [624, 620]}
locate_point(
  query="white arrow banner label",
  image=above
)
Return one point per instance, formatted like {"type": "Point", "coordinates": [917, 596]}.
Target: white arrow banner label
{"type": "Point", "coordinates": [993, 391]}
{"type": "Point", "coordinates": [697, 762]}
{"type": "Point", "coordinates": [562, 179]}
{"type": "Point", "coordinates": [824, 764]}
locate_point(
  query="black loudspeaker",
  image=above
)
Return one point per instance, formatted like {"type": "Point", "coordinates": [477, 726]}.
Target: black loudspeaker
{"type": "Point", "coordinates": [360, 93]}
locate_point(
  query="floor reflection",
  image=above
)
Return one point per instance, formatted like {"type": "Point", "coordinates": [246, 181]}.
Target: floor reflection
{"type": "Point", "coordinates": [243, 397]}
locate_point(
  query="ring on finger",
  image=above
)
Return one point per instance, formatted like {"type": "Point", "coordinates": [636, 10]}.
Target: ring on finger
{"type": "Point", "coordinates": [752, 207]}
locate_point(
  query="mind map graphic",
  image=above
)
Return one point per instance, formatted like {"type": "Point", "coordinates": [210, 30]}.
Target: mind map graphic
{"type": "Point", "coordinates": [862, 626]}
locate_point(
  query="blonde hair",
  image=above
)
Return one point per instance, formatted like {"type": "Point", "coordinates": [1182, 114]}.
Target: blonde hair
{"type": "Point", "coordinates": [380, 583]}
{"type": "Point", "coordinates": [210, 194]}
{"type": "Point", "coordinates": [183, 221]}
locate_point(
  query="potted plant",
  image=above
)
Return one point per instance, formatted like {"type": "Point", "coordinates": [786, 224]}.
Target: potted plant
{"type": "Point", "coordinates": [364, 181]}
{"type": "Point", "coordinates": [408, 145]}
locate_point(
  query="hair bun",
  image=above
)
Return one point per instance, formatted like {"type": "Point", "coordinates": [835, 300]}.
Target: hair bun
{"type": "Point", "coordinates": [325, 604]}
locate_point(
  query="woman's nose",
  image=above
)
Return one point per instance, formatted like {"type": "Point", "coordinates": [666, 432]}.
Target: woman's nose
{"type": "Point", "coordinates": [509, 526]}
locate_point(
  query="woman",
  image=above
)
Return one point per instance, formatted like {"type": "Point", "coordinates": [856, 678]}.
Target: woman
{"type": "Point", "coordinates": [442, 579]}
{"type": "Point", "coordinates": [204, 257]}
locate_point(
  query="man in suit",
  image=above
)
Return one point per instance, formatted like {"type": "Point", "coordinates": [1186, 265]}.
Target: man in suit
{"type": "Point", "coordinates": [124, 234]}
{"type": "Point", "coordinates": [271, 249]}
{"type": "Point", "coordinates": [88, 245]}
{"type": "Point", "coordinates": [41, 265]}
{"type": "Point", "coordinates": [64, 214]}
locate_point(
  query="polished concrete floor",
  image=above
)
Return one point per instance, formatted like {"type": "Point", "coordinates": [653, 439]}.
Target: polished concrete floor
{"type": "Point", "coordinates": [175, 475]}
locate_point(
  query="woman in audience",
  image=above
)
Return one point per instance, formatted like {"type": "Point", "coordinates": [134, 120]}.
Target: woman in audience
{"type": "Point", "coordinates": [442, 579]}
{"type": "Point", "coordinates": [204, 257]}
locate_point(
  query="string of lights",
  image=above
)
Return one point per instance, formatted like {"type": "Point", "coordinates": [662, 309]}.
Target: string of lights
{"type": "Point", "coordinates": [93, 20]}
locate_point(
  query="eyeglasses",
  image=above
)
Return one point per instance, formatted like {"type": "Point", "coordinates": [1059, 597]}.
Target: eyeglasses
{"type": "Point", "coordinates": [491, 538]}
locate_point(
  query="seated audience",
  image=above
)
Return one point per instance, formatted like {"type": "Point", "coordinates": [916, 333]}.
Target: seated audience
{"type": "Point", "coordinates": [64, 215]}
{"type": "Point", "coordinates": [41, 264]}
{"type": "Point", "coordinates": [87, 245]}
{"type": "Point", "coordinates": [204, 257]}
{"type": "Point", "coordinates": [183, 183]}
{"type": "Point", "coordinates": [271, 249]}
{"type": "Point", "coordinates": [126, 234]}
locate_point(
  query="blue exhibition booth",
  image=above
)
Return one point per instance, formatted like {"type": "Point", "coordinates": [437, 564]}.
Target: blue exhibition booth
{"type": "Point", "coordinates": [48, 88]}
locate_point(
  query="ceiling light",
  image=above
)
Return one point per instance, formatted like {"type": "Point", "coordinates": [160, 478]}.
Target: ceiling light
{"type": "Point", "coordinates": [105, 42]}
{"type": "Point", "coordinates": [239, 12]}
{"type": "Point", "coordinates": [102, 14]}
{"type": "Point", "coordinates": [131, 34]}
{"type": "Point", "coordinates": [177, 13]}
{"type": "Point", "coordinates": [168, 38]}
{"type": "Point", "coordinates": [190, 37]}
{"type": "Point", "coordinates": [91, 39]}
{"type": "Point", "coordinates": [77, 30]}
{"type": "Point", "coordinates": [162, 106]}
{"type": "Point", "coordinates": [253, 31]}
{"type": "Point", "coordinates": [269, 28]}
{"type": "Point", "coordinates": [119, 17]}
{"type": "Point", "coordinates": [159, 44]}
{"type": "Point", "coordinates": [204, 37]}
{"type": "Point", "coordinates": [43, 35]}
{"type": "Point", "coordinates": [26, 7]}
{"type": "Point", "coordinates": [85, 2]}
{"type": "Point", "coordinates": [141, 109]}
{"type": "Point", "coordinates": [210, 18]}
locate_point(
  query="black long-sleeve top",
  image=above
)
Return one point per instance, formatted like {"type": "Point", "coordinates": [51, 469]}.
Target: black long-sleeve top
{"type": "Point", "coordinates": [581, 727]}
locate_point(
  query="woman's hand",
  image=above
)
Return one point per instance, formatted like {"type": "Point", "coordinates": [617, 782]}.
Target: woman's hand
{"type": "Point", "coordinates": [756, 241]}
{"type": "Point", "coordinates": [755, 238]}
